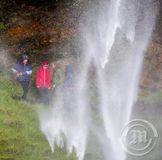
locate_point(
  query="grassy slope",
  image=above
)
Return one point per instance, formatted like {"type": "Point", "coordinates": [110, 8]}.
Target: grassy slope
{"type": "Point", "coordinates": [20, 137]}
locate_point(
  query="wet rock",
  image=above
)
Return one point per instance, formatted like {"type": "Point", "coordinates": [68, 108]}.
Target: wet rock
{"type": "Point", "coordinates": [152, 69]}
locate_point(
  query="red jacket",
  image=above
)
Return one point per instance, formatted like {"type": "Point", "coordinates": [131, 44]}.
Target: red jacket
{"type": "Point", "coordinates": [43, 78]}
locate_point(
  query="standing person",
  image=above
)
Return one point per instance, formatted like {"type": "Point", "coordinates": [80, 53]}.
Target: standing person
{"type": "Point", "coordinates": [43, 82]}
{"type": "Point", "coordinates": [23, 71]}
{"type": "Point", "coordinates": [69, 77]}
{"type": "Point", "coordinates": [58, 77]}
{"type": "Point", "coordinates": [69, 88]}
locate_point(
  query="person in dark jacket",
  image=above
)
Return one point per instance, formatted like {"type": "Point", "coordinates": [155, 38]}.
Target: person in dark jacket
{"type": "Point", "coordinates": [23, 71]}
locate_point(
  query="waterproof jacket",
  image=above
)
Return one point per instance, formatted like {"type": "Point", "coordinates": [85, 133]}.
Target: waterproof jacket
{"type": "Point", "coordinates": [24, 69]}
{"type": "Point", "coordinates": [43, 78]}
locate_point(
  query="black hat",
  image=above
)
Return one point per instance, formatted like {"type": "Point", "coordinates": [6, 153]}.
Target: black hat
{"type": "Point", "coordinates": [24, 57]}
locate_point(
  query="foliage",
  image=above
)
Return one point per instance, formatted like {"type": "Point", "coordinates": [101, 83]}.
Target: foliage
{"type": "Point", "coordinates": [3, 26]}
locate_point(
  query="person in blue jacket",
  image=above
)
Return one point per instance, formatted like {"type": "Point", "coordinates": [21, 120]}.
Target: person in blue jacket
{"type": "Point", "coordinates": [69, 76]}
{"type": "Point", "coordinates": [69, 88]}
{"type": "Point", "coordinates": [23, 71]}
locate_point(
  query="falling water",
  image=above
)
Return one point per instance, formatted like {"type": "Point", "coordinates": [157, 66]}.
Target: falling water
{"type": "Point", "coordinates": [115, 35]}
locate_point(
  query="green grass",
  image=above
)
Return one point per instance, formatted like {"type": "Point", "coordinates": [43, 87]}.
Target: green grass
{"type": "Point", "coordinates": [20, 136]}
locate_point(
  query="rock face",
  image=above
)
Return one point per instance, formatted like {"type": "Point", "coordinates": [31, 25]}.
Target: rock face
{"type": "Point", "coordinates": [49, 33]}
{"type": "Point", "coordinates": [151, 76]}
{"type": "Point", "coordinates": [34, 30]}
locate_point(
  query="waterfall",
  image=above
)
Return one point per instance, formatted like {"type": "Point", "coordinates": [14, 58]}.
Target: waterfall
{"type": "Point", "coordinates": [114, 37]}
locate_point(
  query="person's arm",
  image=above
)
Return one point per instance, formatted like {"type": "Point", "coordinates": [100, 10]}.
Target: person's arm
{"type": "Point", "coordinates": [29, 72]}
{"type": "Point", "coordinates": [14, 69]}
{"type": "Point", "coordinates": [49, 82]}
{"type": "Point", "coordinates": [37, 77]}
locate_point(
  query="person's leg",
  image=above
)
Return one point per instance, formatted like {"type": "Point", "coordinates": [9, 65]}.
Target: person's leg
{"type": "Point", "coordinates": [25, 87]}
{"type": "Point", "coordinates": [44, 95]}
{"type": "Point", "coordinates": [41, 93]}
